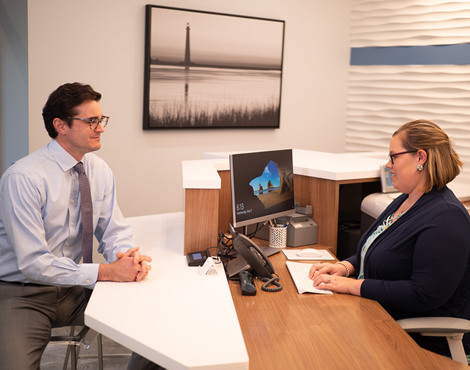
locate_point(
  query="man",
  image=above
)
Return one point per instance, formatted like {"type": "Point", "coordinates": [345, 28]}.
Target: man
{"type": "Point", "coordinates": [41, 229]}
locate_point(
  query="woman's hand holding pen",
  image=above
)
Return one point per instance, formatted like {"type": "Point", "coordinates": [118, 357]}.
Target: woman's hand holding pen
{"type": "Point", "coordinates": [333, 277]}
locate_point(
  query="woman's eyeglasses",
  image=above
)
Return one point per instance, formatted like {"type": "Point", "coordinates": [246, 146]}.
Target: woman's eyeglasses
{"type": "Point", "coordinates": [392, 156]}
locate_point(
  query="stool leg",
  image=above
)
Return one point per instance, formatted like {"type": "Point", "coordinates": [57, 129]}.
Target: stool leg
{"type": "Point", "coordinates": [66, 361]}
{"type": "Point", "coordinates": [99, 340]}
{"type": "Point", "coordinates": [74, 358]}
{"type": "Point", "coordinates": [69, 349]}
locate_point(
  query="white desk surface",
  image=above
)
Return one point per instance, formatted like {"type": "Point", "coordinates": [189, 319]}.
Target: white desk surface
{"type": "Point", "coordinates": [176, 317]}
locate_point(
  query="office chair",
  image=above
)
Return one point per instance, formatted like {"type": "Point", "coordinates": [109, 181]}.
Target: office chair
{"type": "Point", "coordinates": [450, 327]}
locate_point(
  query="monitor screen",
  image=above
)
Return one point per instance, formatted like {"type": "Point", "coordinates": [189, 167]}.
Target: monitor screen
{"type": "Point", "coordinates": [386, 180]}
{"type": "Point", "coordinates": [262, 186]}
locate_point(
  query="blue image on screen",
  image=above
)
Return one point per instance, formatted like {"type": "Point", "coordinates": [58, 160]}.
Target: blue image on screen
{"type": "Point", "coordinates": [268, 181]}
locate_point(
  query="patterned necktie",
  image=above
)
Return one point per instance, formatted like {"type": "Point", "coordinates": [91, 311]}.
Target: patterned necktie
{"type": "Point", "coordinates": [86, 209]}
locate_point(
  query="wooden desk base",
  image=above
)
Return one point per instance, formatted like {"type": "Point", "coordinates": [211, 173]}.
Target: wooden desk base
{"type": "Point", "coordinates": [287, 330]}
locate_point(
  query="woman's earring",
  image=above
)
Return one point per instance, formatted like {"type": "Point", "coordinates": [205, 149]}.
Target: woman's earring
{"type": "Point", "coordinates": [419, 167]}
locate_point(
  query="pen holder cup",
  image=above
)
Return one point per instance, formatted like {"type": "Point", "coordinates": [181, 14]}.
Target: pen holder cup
{"type": "Point", "coordinates": [277, 236]}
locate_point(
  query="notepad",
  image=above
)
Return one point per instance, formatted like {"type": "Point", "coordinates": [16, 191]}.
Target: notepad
{"type": "Point", "coordinates": [299, 272]}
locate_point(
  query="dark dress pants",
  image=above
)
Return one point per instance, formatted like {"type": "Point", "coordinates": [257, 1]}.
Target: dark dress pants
{"type": "Point", "coordinates": [27, 314]}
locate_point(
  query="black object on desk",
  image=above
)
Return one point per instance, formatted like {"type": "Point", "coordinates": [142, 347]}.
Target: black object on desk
{"type": "Point", "coordinates": [247, 283]}
{"type": "Point", "coordinates": [197, 258]}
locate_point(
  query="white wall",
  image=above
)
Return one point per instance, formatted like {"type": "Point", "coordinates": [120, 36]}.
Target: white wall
{"type": "Point", "coordinates": [386, 95]}
{"type": "Point", "coordinates": [101, 42]}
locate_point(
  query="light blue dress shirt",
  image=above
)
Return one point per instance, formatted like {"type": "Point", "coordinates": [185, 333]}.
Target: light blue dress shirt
{"type": "Point", "coordinates": [40, 222]}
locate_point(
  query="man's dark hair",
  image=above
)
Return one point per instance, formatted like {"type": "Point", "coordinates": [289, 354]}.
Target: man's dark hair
{"type": "Point", "coordinates": [62, 102]}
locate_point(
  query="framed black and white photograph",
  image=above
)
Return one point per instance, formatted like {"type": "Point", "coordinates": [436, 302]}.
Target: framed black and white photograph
{"type": "Point", "coordinates": [211, 70]}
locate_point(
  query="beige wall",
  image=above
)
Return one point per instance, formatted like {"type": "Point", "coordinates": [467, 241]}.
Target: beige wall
{"type": "Point", "coordinates": [101, 42]}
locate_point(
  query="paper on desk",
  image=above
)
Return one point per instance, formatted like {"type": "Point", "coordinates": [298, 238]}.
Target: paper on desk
{"type": "Point", "coordinates": [291, 254]}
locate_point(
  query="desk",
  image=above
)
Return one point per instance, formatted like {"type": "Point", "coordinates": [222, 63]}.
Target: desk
{"type": "Point", "coordinates": [318, 177]}
{"type": "Point", "coordinates": [174, 318]}
{"type": "Point", "coordinates": [322, 180]}
{"type": "Point", "coordinates": [287, 330]}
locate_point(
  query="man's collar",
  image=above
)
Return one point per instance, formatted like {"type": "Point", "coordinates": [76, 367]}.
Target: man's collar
{"type": "Point", "coordinates": [63, 158]}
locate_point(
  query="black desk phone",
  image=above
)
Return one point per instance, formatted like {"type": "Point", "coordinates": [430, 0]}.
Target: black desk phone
{"type": "Point", "coordinates": [258, 264]}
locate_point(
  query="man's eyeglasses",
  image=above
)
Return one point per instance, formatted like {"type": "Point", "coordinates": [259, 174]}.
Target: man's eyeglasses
{"type": "Point", "coordinates": [392, 156]}
{"type": "Point", "coordinates": [94, 122]}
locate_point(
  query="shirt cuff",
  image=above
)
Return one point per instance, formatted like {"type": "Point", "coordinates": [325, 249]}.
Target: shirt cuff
{"type": "Point", "coordinates": [88, 275]}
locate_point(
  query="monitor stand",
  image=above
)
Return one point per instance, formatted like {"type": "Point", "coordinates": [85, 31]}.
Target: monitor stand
{"type": "Point", "coordinates": [245, 230]}
{"type": "Point", "coordinates": [269, 251]}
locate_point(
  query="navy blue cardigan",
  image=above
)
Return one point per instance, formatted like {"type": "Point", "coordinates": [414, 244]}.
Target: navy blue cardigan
{"type": "Point", "coordinates": [420, 265]}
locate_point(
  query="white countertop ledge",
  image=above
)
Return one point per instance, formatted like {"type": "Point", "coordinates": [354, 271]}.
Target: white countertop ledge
{"type": "Point", "coordinates": [202, 174]}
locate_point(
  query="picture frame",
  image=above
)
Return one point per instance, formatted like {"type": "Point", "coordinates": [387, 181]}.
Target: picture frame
{"type": "Point", "coordinates": [211, 70]}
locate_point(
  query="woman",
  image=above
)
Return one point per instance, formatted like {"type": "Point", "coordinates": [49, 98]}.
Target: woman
{"type": "Point", "coordinates": [414, 260]}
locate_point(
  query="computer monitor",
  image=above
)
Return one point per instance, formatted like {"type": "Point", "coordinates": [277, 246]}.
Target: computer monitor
{"type": "Point", "coordinates": [386, 180]}
{"type": "Point", "coordinates": [262, 186]}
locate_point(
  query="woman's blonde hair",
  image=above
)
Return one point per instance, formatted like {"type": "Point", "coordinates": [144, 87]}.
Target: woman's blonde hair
{"type": "Point", "coordinates": [443, 163]}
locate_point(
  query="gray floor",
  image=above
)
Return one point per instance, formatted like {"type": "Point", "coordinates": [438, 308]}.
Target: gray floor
{"type": "Point", "coordinates": [54, 355]}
